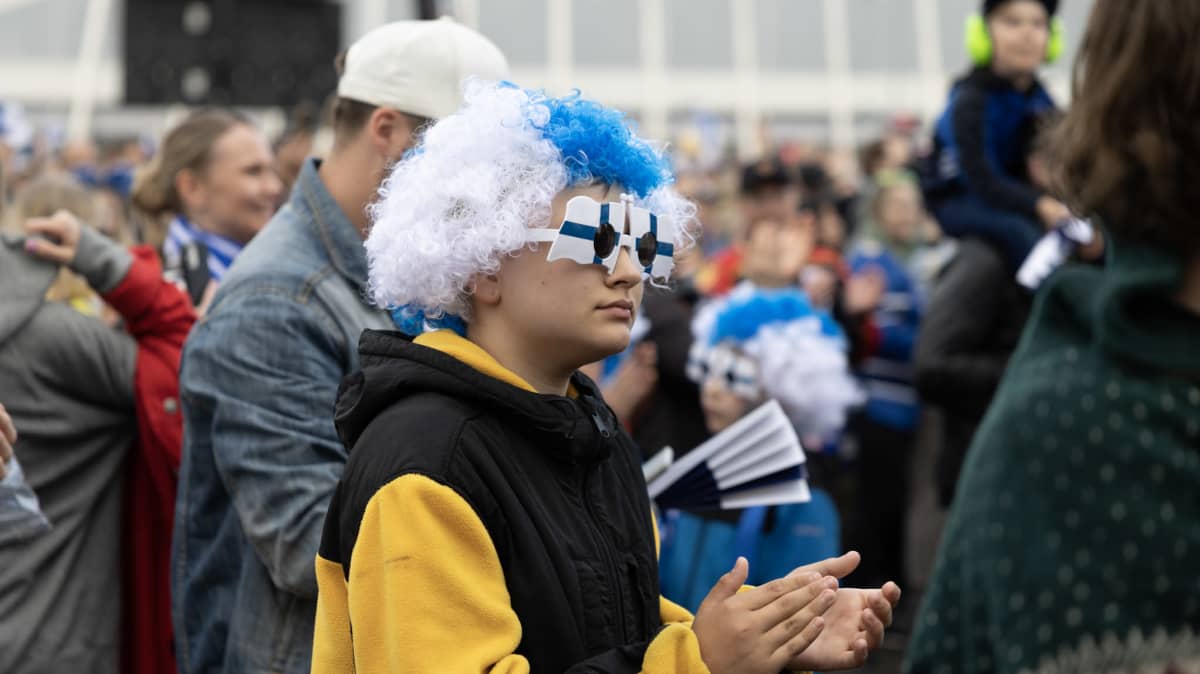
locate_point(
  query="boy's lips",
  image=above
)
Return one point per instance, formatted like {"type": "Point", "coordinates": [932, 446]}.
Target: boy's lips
{"type": "Point", "coordinates": [621, 309]}
{"type": "Point", "coordinates": [623, 304]}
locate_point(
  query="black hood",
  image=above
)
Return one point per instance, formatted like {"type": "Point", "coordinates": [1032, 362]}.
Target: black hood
{"type": "Point", "coordinates": [578, 429]}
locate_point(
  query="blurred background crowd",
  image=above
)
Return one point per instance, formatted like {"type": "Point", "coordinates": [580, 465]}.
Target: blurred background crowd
{"type": "Point", "coordinates": [800, 128]}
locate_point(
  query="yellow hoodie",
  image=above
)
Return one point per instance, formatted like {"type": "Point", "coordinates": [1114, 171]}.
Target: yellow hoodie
{"type": "Point", "coordinates": [427, 593]}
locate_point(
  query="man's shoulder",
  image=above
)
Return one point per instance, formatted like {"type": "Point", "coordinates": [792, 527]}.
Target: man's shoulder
{"type": "Point", "coordinates": [264, 314]}
{"type": "Point", "coordinates": [285, 252]}
{"type": "Point", "coordinates": [270, 297]}
{"type": "Point", "coordinates": [278, 270]}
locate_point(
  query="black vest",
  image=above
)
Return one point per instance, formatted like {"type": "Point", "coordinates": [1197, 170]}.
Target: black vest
{"type": "Point", "coordinates": [556, 482]}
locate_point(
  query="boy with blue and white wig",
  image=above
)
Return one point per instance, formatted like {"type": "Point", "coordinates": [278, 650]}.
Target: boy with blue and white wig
{"type": "Point", "coordinates": [483, 176]}
{"type": "Point", "coordinates": [493, 516]}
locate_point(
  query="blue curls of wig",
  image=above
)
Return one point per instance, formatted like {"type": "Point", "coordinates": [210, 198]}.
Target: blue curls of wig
{"type": "Point", "coordinates": [414, 322]}
{"type": "Point", "coordinates": [744, 317]}
{"type": "Point", "coordinates": [598, 143]}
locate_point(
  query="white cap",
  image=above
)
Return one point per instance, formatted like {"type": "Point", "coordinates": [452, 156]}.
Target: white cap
{"type": "Point", "coordinates": [418, 67]}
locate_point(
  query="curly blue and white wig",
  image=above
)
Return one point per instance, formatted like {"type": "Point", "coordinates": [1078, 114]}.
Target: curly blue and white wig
{"type": "Point", "coordinates": [795, 353]}
{"type": "Point", "coordinates": [463, 198]}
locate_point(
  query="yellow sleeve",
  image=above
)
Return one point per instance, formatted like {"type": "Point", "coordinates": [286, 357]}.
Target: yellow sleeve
{"type": "Point", "coordinates": [426, 590]}
{"type": "Point", "coordinates": [333, 650]}
{"type": "Point", "coordinates": [674, 651]}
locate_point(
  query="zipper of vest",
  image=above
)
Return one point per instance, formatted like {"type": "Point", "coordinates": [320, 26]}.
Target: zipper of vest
{"type": "Point", "coordinates": [602, 544]}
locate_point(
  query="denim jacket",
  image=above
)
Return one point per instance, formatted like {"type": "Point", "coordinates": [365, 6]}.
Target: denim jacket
{"type": "Point", "coordinates": [261, 457]}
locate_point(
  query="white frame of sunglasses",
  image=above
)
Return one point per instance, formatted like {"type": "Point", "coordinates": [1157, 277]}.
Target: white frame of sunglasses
{"type": "Point", "coordinates": [575, 237]}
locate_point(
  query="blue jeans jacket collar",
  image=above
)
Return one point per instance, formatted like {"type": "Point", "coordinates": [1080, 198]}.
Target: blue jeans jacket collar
{"type": "Point", "coordinates": [341, 239]}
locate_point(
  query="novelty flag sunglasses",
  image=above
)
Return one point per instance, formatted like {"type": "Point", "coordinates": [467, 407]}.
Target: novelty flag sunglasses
{"type": "Point", "coordinates": [736, 371]}
{"type": "Point", "coordinates": [594, 233]}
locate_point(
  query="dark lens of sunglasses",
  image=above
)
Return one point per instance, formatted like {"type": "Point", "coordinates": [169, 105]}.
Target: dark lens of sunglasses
{"type": "Point", "coordinates": [605, 240]}
{"type": "Point", "coordinates": [647, 248]}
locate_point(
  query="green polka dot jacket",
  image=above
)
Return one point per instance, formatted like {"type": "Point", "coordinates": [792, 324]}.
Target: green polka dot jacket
{"type": "Point", "coordinates": [1074, 542]}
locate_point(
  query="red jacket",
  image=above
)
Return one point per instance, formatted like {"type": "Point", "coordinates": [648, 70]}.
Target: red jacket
{"type": "Point", "coordinates": [721, 272]}
{"type": "Point", "coordinates": [158, 315]}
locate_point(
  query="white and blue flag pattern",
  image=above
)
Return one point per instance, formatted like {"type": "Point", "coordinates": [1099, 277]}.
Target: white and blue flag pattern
{"type": "Point", "coordinates": [575, 237]}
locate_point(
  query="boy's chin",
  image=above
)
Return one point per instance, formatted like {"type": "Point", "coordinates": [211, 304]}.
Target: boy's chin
{"type": "Point", "coordinates": [604, 343]}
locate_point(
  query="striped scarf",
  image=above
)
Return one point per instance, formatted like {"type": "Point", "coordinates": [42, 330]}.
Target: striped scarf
{"type": "Point", "coordinates": [221, 251]}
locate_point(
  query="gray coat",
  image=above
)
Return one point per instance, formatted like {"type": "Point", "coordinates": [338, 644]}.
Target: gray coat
{"type": "Point", "coordinates": [67, 381]}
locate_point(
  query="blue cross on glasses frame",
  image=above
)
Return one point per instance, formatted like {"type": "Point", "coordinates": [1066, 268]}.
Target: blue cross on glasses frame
{"type": "Point", "coordinates": [588, 234]}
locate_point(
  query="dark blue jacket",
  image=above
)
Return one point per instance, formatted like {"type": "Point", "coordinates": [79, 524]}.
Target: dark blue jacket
{"type": "Point", "coordinates": [982, 139]}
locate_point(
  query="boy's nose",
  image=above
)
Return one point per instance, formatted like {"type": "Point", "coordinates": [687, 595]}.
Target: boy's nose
{"type": "Point", "coordinates": [626, 271]}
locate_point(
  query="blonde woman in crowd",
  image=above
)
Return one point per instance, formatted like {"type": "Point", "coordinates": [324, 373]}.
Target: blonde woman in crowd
{"type": "Point", "coordinates": [213, 186]}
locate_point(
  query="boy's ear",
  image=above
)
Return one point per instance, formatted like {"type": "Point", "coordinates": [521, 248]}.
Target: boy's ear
{"type": "Point", "coordinates": [487, 289]}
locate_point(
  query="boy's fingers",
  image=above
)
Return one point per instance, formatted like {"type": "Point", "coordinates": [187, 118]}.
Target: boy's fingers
{"type": "Point", "coordinates": [891, 593]}
{"type": "Point", "coordinates": [799, 643]}
{"type": "Point", "coordinates": [782, 626]}
{"type": "Point", "coordinates": [874, 628]}
{"type": "Point", "coordinates": [882, 601]}
{"type": "Point", "coordinates": [729, 583]}
{"type": "Point", "coordinates": [853, 657]}
{"type": "Point", "coordinates": [838, 567]}
{"type": "Point", "coordinates": [758, 597]}
{"type": "Point", "coordinates": [818, 595]}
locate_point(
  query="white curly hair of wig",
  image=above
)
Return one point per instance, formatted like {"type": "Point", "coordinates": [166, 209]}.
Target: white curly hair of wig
{"type": "Point", "coordinates": [463, 198]}
{"type": "Point", "coordinates": [800, 351]}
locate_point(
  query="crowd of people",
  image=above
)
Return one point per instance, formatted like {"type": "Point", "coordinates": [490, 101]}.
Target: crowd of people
{"type": "Point", "coordinates": [387, 408]}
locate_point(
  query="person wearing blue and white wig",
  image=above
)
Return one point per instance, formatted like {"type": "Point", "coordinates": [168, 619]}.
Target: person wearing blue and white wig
{"type": "Point", "coordinates": [493, 515]}
{"type": "Point", "coordinates": [762, 343]}
{"type": "Point", "coordinates": [485, 179]}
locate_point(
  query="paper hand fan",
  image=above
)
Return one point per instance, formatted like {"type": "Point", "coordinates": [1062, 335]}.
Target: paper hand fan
{"type": "Point", "coordinates": [757, 461]}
